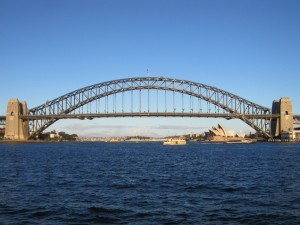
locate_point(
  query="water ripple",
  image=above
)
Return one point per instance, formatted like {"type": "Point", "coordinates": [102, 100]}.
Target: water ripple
{"type": "Point", "coordinates": [146, 183]}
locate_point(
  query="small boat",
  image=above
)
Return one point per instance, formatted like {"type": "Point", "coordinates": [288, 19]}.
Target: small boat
{"type": "Point", "coordinates": [243, 141]}
{"type": "Point", "coordinates": [114, 140]}
{"type": "Point", "coordinates": [175, 141]}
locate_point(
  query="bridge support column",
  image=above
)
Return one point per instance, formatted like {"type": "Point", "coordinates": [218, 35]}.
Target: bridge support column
{"type": "Point", "coordinates": [16, 128]}
{"type": "Point", "coordinates": [284, 124]}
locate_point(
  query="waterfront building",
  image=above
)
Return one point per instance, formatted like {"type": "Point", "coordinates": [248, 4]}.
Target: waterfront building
{"type": "Point", "coordinates": [293, 135]}
{"type": "Point", "coordinates": [219, 133]}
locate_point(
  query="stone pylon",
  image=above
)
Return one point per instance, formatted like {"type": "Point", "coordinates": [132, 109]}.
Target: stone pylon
{"type": "Point", "coordinates": [16, 128]}
{"type": "Point", "coordinates": [285, 122]}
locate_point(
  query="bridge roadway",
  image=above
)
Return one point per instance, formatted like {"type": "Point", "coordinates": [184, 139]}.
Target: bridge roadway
{"type": "Point", "coordinates": [149, 114]}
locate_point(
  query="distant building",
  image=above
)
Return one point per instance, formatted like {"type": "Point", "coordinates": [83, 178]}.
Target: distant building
{"type": "Point", "coordinates": [192, 135]}
{"type": "Point", "coordinates": [291, 135]}
{"type": "Point", "coordinates": [53, 135]}
{"type": "Point", "coordinates": [297, 135]}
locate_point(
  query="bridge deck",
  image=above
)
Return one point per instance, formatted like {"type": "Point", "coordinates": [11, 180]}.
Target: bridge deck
{"type": "Point", "coordinates": [150, 114]}
{"type": "Point", "coordinates": [296, 117]}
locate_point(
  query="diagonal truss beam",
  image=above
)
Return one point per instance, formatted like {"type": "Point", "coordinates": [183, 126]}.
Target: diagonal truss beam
{"type": "Point", "coordinates": [227, 101]}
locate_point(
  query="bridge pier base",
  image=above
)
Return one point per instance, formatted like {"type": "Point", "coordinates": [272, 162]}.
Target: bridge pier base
{"type": "Point", "coordinates": [285, 124]}
{"type": "Point", "coordinates": [16, 128]}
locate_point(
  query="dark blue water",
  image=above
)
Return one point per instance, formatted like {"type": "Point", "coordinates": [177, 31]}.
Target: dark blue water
{"type": "Point", "coordinates": [148, 183]}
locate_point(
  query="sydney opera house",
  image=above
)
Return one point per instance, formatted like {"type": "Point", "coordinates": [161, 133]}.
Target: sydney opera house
{"type": "Point", "coordinates": [219, 133]}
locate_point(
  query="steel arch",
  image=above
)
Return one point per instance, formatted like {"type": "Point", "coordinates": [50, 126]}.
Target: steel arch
{"type": "Point", "coordinates": [227, 101]}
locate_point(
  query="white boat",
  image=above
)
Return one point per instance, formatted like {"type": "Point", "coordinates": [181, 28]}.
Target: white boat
{"type": "Point", "coordinates": [114, 140]}
{"type": "Point", "coordinates": [175, 141]}
{"type": "Point", "coordinates": [243, 141]}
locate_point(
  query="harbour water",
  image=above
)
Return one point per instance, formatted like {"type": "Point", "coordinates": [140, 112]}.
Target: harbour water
{"type": "Point", "coordinates": [148, 183]}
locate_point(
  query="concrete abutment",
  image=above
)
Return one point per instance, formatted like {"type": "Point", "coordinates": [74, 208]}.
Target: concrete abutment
{"type": "Point", "coordinates": [16, 128]}
{"type": "Point", "coordinates": [283, 125]}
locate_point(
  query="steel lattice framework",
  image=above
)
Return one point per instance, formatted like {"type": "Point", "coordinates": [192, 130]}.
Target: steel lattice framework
{"type": "Point", "coordinates": [102, 96]}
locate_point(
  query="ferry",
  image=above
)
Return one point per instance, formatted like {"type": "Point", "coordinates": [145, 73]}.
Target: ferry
{"type": "Point", "coordinates": [175, 141]}
{"type": "Point", "coordinates": [243, 141]}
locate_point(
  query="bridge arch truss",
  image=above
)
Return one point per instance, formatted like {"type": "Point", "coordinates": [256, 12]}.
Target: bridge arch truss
{"type": "Point", "coordinates": [158, 96]}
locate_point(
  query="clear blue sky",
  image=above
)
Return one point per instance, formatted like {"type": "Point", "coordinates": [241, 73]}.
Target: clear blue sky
{"type": "Point", "coordinates": [248, 47]}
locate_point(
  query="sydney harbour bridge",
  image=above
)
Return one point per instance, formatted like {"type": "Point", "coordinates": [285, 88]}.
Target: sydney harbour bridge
{"type": "Point", "coordinates": [147, 97]}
